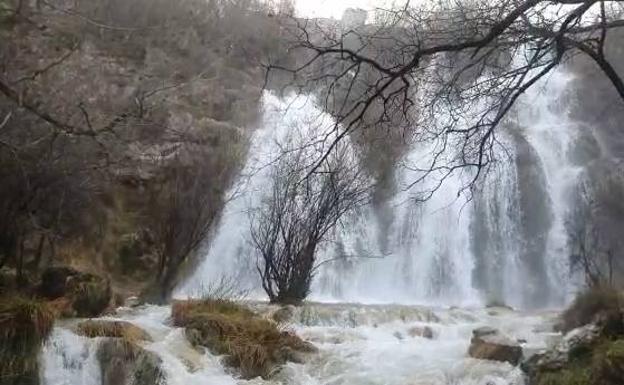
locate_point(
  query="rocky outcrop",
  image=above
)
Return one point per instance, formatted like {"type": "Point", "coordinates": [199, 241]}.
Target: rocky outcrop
{"type": "Point", "coordinates": [80, 294]}
{"type": "Point", "coordinates": [490, 344]}
{"type": "Point", "coordinates": [558, 357]}
{"type": "Point", "coordinates": [123, 363]}
{"type": "Point", "coordinates": [112, 329]}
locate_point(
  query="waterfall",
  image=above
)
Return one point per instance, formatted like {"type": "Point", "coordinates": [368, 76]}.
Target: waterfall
{"type": "Point", "coordinates": [505, 244]}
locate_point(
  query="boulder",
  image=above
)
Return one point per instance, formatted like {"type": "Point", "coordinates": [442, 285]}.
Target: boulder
{"type": "Point", "coordinates": [132, 302]}
{"type": "Point", "coordinates": [88, 294]}
{"type": "Point", "coordinates": [490, 344]}
{"type": "Point", "coordinates": [421, 331]}
{"type": "Point", "coordinates": [123, 363]}
{"type": "Point", "coordinates": [113, 329]}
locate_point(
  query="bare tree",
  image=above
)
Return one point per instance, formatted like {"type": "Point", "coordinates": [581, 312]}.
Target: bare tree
{"type": "Point", "coordinates": [298, 214]}
{"type": "Point", "coordinates": [591, 254]}
{"type": "Point", "coordinates": [446, 73]}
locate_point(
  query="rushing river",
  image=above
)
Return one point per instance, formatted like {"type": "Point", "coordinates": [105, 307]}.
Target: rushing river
{"type": "Point", "coordinates": [358, 345]}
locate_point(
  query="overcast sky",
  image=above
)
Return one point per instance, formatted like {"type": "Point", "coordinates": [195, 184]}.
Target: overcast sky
{"type": "Point", "coordinates": [333, 8]}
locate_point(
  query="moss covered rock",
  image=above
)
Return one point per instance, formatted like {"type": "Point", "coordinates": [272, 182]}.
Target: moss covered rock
{"type": "Point", "coordinates": [250, 343]}
{"type": "Point", "coordinates": [25, 325]}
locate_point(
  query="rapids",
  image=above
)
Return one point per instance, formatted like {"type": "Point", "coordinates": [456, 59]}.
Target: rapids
{"type": "Point", "coordinates": [359, 344]}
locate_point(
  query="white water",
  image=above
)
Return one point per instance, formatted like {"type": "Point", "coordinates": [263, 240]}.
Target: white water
{"type": "Point", "coordinates": [358, 344]}
{"type": "Point", "coordinates": [428, 253]}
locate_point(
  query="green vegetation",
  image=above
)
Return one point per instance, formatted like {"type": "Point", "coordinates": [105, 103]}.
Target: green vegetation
{"type": "Point", "coordinates": [253, 345]}
{"type": "Point", "coordinates": [25, 324]}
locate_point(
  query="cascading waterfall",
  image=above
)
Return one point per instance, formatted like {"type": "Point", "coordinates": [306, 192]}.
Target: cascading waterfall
{"type": "Point", "coordinates": [506, 245]}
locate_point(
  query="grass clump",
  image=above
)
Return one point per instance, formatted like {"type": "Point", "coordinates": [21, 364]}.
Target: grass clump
{"type": "Point", "coordinates": [25, 325]}
{"type": "Point", "coordinates": [250, 343]}
{"type": "Point", "coordinates": [113, 329]}
{"type": "Point", "coordinates": [603, 304]}
{"type": "Point", "coordinates": [91, 296]}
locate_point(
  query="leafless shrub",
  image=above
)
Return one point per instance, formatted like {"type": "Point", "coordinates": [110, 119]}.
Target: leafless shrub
{"type": "Point", "coordinates": [298, 213]}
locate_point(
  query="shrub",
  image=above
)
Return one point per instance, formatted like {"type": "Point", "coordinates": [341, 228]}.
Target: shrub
{"type": "Point", "coordinates": [252, 344]}
{"type": "Point", "coordinates": [598, 304]}
{"type": "Point", "coordinates": [25, 325]}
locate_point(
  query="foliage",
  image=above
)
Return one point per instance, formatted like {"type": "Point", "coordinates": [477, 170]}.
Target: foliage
{"type": "Point", "coordinates": [250, 343]}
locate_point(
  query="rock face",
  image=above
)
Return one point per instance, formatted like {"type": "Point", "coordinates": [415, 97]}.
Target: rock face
{"type": "Point", "coordinates": [490, 344]}
{"type": "Point", "coordinates": [86, 295]}
{"type": "Point", "coordinates": [124, 363]}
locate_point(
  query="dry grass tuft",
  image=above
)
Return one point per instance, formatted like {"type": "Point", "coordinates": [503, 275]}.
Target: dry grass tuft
{"type": "Point", "coordinates": [113, 329]}
{"type": "Point", "coordinates": [25, 325]}
{"type": "Point", "coordinates": [250, 343]}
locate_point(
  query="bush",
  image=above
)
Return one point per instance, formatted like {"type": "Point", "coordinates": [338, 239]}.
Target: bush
{"type": "Point", "coordinates": [25, 325]}
{"type": "Point", "coordinates": [250, 343]}
{"type": "Point", "coordinates": [599, 304]}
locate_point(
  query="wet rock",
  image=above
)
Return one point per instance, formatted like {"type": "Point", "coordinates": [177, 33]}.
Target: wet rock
{"type": "Point", "coordinates": [132, 302]}
{"type": "Point", "coordinates": [398, 335]}
{"type": "Point", "coordinates": [421, 331]}
{"type": "Point", "coordinates": [113, 329]}
{"type": "Point", "coordinates": [490, 344]}
{"type": "Point", "coordinates": [88, 294]}
{"type": "Point", "coordinates": [125, 363]}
